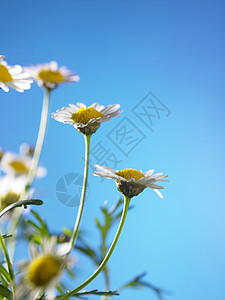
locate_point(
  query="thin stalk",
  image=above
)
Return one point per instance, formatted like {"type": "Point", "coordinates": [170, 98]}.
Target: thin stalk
{"type": "Point", "coordinates": [34, 164]}
{"type": "Point", "coordinates": [40, 139]}
{"type": "Point", "coordinates": [82, 199]}
{"type": "Point", "coordinates": [110, 251]}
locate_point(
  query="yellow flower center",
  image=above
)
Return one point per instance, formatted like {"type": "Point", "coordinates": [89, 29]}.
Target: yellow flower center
{"type": "Point", "coordinates": [83, 115]}
{"type": "Point", "coordinates": [4, 74]}
{"type": "Point", "coordinates": [130, 173]}
{"type": "Point", "coordinates": [42, 270]}
{"type": "Point", "coordinates": [10, 198]}
{"type": "Point", "coordinates": [18, 166]}
{"type": "Point", "coordinates": [51, 76]}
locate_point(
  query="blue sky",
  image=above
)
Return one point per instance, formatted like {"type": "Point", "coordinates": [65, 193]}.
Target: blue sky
{"type": "Point", "coordinates": [122, 51]}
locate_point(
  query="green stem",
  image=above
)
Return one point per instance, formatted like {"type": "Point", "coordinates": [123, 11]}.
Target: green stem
{"type": "Point", "coordinates": [40, 139]}
{"type": "Point", "coordinates": [82, 199]}
{"type": "Point", "coordinates": [34, 164]}
{"type": "Point", "coordinates": [110, 251]}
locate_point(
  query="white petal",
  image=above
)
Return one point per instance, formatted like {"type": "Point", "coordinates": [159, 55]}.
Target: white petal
{"type": "Point", "coordinates": [158, 192]}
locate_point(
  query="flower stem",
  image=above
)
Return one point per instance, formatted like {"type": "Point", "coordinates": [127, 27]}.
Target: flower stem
{"type": "Point", "coordinates": [40, 139]}
{"type": "Point", "coordinates": [34, 164]}
{"type": "Point", "coordinates": [110, 251]}
{"type": "Point", "coordinates": [82, 199]}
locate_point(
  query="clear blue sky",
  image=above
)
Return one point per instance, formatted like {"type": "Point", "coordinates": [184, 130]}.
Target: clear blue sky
{"type": "Point", "coordinates": [123, 50]}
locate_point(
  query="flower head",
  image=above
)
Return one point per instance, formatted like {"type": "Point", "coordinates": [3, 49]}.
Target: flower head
{"type": "Point", "coordinates": [10, 189]}
{"type": "Point", "coordinates": [19, 164]}
{"type": "Point", "coordinates": [43, 271]}
{"type": "Point", "coordinates": [86, 119]}
{"type": "Point", "coordinates": [13, 76]}
{"type": "Point", "coordinates": [50, 75]}
{"type": "Point", "coordinates": [131, 182]}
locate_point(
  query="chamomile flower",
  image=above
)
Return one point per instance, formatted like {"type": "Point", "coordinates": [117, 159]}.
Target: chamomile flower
{"type": "Point", "coordinates": [86, 119]}
{"type": "Point", "coordinates": [42, 273]}
{"type": "Point", "coordinates": [131, 182]}
{"type": "Point", "coordinates": [10, 189]}
{"type": "Point", "coordinates": [14, 77]}
{"type": "Point", "coordinates": [50, 75]}
{"type": "Point", "coordinates": [18, 164]}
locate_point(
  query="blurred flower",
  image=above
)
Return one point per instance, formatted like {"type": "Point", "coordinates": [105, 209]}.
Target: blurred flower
{"type": "Point", "coordinates": [10, 189]}
{"type": "Point", "coordinates": [12, 76]}
{"type": "Point", "coordinates": [86, 119]}
{"type": "Point", "coordinates": [43, 272]}
{"type": "Point", "coordinates": [26, 149]}
{"type": "Point", "coordinates": [50, 75]}
{"type": "Point", "coordinates": [1, 153]}
{"type": "Point", "coordinates": [131, 182]}
{"type": "Point", "coordinates": [18, 164]}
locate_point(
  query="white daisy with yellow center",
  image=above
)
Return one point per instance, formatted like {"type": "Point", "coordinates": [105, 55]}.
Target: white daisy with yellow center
{"type": "Point", "coordinates": [42, 273]}
{"type": "Point", "coordinates": [18, 164]}
{"type": "Point", "coordinates": [14, 77]}
{"type": "Point", "coordinates": [131, 182]}
{"type": "Point", "coordinates": [50, 75]}
{"type": "Point", "coordinates": [10, 190]}
{"type": "Point", "coordinates": [86, 119]}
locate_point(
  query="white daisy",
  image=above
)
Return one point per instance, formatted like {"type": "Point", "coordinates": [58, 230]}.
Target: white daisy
{"type": "Point", "coordinates": [10, 189]}
{"type": "Point", "coordinates": [86, 119]}
{"type": "Point", "coordinates": [50, 75]}
{"type": "Point", "coordinates": [13, 76]}
{"type": "Point", "coordinates": [42, 273]}
{"type": "Point", "coordinates": [131, 182]}
{"type": "Point", "coordinates": [18, 164]}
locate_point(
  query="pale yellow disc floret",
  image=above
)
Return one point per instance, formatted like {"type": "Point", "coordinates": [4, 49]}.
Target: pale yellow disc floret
{"type": "Point", "coordinates": [130, 173]}
{"type": "Point", "coordinates": [18, 166]}
{"type": "Point", "coordinates": [51, 76]}
{"type": "Point", "coordinates": [83, 115]}
{"type": "Point", "coordinates": [42, 270]}
{"type": "Point", "coordinates": [5, 76]}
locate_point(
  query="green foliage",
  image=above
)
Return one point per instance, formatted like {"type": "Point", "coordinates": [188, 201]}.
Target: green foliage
{"type": "Point", "coordinates": [5, 292]}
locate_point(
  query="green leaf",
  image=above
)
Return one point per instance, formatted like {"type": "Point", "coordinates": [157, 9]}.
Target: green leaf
{"type": "Point", "coordinates": [137, 282]}
{"type": "Point", "coordinates": [5, 273]}
{"type": "Point", "coordinates": [43, 228]}
{"type": "Point", "coordinates": [23, 203]}
{"type": "Point", "coordinates": [5, 292]}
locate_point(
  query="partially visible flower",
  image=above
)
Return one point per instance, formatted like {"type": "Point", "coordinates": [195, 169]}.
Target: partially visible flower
{"type": "Point", "coordinates": [1, 153]}
{"type": "Point", "coordinates": [42, 273]}
{"type": "Point", "coordinates": [11, 189]}
{"type": "Point", "coordinates": [86, 119]}
{"type": "Point", "coordinates": [131, 182]}
{"type": "Point", "coordinates": [26, 149]}
{"type": "Point", "coordinates": [50, 75]}
{"type": "Point", "coordinates": [14, 77]}
{"type": "Point", "coordinates": [18, 164]}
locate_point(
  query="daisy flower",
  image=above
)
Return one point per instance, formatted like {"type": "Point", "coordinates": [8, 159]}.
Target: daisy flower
{"type": "Point", "coordinates": [12, 76]}
{"type": "Point", "coordinates": [50, 75]}
{"type": "Point", "coordinates": [131, 182]}
{"type": "Point", "coordinates": [42, 273]}
{"type": "Point", "coordinates": [18, 164]}
{"type": "Point", "coordinates": [86, 119]}
{"type": "Point", "coordinates": [10, 189]}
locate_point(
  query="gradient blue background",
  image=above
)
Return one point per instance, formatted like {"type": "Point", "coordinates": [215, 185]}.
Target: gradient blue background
{"type": "Point", "coordinates": [122, 50]}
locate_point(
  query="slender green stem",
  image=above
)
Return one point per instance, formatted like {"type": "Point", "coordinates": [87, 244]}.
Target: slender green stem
{"type": "Point", "coordinates": [34, 164]}
{"type": "Point", "coordinates": [40, 139]}
{"type": "Point", "coordinates": [110, 251]}
{"type": "Point", "coordinates": [82, 199]}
